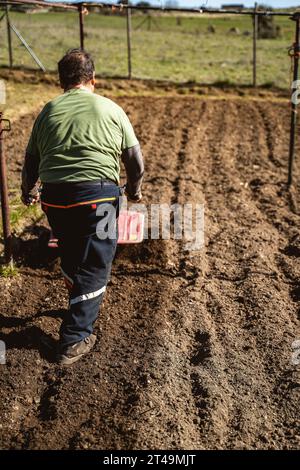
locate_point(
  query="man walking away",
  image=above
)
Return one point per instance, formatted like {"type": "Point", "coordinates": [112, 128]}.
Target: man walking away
{"type": "Point", "coordinates": [74, 151]}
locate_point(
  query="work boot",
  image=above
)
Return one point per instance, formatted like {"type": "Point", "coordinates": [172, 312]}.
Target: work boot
{"type": "Point", "coordinates": [74, 352]}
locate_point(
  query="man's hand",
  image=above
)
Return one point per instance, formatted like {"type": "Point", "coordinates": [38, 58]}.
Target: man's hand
{"type": "Point", "coordinates": [133, 198]}
{"type": "Point", "coordinates": [30, 199]}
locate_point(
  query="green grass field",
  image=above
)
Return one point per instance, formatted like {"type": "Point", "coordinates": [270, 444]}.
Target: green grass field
{"type": "Point", "coordinates": [179, 52]}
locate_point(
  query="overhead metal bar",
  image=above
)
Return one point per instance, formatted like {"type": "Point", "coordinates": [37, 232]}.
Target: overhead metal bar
{"type": "Point", "coordinates": [66, 6]}
{"type": "Point", "coordinates": [204, 10]}
{"type": "Point", "coordinates": [121, 6]}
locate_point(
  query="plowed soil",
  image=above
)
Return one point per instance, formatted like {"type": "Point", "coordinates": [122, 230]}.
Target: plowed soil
{"type": "Point", "coordinates": [194, 347]}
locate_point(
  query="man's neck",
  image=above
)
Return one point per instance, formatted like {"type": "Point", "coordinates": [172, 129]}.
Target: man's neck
{"type": "Point", "coordinates": [79, 87]}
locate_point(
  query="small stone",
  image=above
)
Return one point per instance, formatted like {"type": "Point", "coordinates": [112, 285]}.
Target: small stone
{"type": "Point", "coordinates": [28, 400]}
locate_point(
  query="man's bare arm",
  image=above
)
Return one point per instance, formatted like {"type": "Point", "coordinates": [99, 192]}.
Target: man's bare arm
{"type": "Point", "coordinates": [134, 166]}
{"type": "Point", "coordinates": [30, 179]}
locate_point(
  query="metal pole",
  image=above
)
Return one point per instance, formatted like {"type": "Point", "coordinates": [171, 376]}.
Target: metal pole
{"type": "Point", "coordinates": [128, 11]}
{"type": "Point", "coordinates": [255, 25]}
{"type": "Point", "coordinates": [33, 55]}
{"type": "Point", "coordinates": [40, 3]}
{"type": "Point", "coordinates": [4, 201]}
{"type": "Point", "coordinates": [10, 53]}
{"type": "Point", "coordinates": [81, 31]}
{"type": "Point", "coordinates": [294, 100]}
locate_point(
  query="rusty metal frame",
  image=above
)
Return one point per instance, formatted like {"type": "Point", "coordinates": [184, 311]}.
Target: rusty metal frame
{"type": "Point", "coordinates": [7, 236]}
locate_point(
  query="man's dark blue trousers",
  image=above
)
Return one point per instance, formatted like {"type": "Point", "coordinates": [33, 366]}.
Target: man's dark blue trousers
{"type": "Point", "coordinates": [83, 217]}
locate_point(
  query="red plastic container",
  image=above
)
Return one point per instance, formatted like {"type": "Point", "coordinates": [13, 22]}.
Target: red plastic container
{"type": "Point", "coordinates": [131, 227]}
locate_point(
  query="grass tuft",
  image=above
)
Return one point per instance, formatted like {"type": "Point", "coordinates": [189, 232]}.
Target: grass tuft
{"type": "Point", "coordinates": [8, 270]}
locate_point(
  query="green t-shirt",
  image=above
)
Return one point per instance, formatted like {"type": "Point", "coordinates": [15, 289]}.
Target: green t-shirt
{"type": "Point", "coordinates": [80, 136]}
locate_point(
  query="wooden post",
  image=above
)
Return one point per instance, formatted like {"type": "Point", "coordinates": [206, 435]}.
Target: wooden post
{"type": "Point", "coordinates": [10, 53]}
{"type": "Point", "coordinates": [81, 30]}
{"type": "Point", "coordinates": [294, 98]}
{"type": "Point", "coordinates": [129, 42]}
{"type": "Point", "coordinates": [255, 25]}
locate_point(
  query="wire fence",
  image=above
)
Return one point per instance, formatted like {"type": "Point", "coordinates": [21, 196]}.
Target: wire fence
{"type": "Point", "coordinates": [177, 46]}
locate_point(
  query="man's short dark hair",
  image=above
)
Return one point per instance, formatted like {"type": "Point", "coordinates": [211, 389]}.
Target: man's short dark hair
{"type": "Point", "coordinates": [76, 66]}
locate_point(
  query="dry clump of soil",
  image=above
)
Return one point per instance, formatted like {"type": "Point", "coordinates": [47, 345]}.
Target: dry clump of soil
{"type": "Point", "coordinates": [194, 347]}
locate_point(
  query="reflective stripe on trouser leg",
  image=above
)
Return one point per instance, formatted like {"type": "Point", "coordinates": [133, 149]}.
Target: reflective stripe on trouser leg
{"type": "Point", "coordinates": [85, 297]}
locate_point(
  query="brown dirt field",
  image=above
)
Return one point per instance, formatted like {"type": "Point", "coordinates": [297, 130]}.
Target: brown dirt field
{"type": "Point", "coordinates": [194, 348]}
